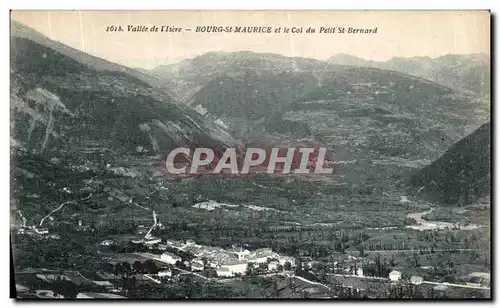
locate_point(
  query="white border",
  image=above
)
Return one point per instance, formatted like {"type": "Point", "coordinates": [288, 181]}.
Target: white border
{"type": "Point", "coordinates": [198, 5]}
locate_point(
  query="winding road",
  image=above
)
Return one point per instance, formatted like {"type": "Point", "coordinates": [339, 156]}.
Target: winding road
{"type": "Point", "coordinates": [61, 206]}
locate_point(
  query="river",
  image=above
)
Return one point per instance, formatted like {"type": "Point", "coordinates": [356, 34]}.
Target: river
{"type": "Point", "coordinates": [423, 224]}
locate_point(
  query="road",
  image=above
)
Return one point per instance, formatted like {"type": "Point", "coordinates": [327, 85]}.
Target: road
{"type": "Point", "coordinates": [411, 250]}
{"type": "Point", "coordinates": [427, 282]}
{"type": "Point", "coordinates": [356, 276]}
{"type": "Point", "coordinates": [61, 206]}
{"type": "Point", "coordinates": [456, 285]}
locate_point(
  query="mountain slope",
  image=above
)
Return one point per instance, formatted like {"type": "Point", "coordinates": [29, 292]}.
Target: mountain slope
{"type": "Point", "coordinates": [387, 112]}
{"type": "Point", "coordinates": [19, 30]}
{"type": "Point", "coordinates": [53, 95]}
{"type": "Point", "coordinates": [252, 96]}
{"type": "Point", "coordinates": [462, 174]}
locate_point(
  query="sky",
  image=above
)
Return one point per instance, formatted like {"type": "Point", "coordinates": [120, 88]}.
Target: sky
{"type": "Point", "coordinates": [399, 33]}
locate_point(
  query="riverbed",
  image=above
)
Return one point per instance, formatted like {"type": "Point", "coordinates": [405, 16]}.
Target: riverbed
{"type": "Point", "coordinates": [423, 224]}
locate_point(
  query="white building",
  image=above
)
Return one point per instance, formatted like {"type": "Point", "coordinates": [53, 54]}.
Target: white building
{"type": "Point", "coordinates": [190, 242]}
{"type": "Point", "coordinates": [282, 259]}
{"type": "Point", "coordinates": [221, 123]}
{"type": "Point", "coordinates": [404, 199]}
{"type": "Point", "coordinates": [416, 280]}
{"type": "Point", "coordinates": [165, 273]}
{"type": "Point", "coordinates": [395, 275]}
{"type": "Point", "coordinates": [351, 258]}
{"type": "Point", "coordinates": [236, 267]}
{"type": "Point", "coordinates": [224, 272]}
{"type": "Point", "coordinates": [162, 247]}
{"type": "Point", "coordinates": [242, 254]}
{"type": "Point", "coordinates": [151, 240]}
{"type": "Point", "coordinates": [261, 255]}
{"type": "Point", "coordinates": [175, 244]}
{"type": "Point", "coordinates": [169, 258]}
{"type": "Point", "coordinates": [42, 230]}
{"type": "Point", "coordinates": [197, 266]}
{"type": "Point", "coordinates": [360, 272]}
{"type": "Point", "coordinates": [258, 260]}
{"type": "Point", "coordinates": [138, 241]}
{"type": "Point", "coordinates": [273, 266]}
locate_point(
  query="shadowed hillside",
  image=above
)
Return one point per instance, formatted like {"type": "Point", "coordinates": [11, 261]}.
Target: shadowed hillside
{"type": "Point", "coordinates": [462, 174]}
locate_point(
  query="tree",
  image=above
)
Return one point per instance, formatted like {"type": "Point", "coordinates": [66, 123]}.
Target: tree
{"type": "Point", "coordinates": [129, 283]}
{"type": "Point", "coordinates": [392, 262]}
{"type": "Point", "coordinates": [150, 267]}
{"type": "Point", "coordinates": [57, 287]}
{"type": "Point", "coordinates": [322, 275]}
{"type": "Point", "coordinates": [69, 289]}
{"type": "Point", "coordinates": [107, 267]}
{"type": "Point", "coordinates": [32, 282]}
{"type": "Point", "coordinates": [416, 260]}
{"type": "Point", "coordinates": [210, 273]}
{"type": "Point", "coordinates": [306, 270]}
{"type": "Point", "coordinates": [361, 251]}
{"type": "Point", "coordinates": [118, 269]}
{"type": "Point", "coordinates": [138, 267]}
{"type": "Point", "coordinates": [287, 266]}
{"type": "Point", "coordinates": [250, 269]}
{"type": "Point", "coordinates": [275, 288]}
{"type": "Point", "coordinates": [127, 269]}
{"type": "Point", "coordinates": [298, 269]}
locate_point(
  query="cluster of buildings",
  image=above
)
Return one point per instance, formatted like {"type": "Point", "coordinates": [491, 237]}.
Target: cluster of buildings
{"type": "Point", "coordinates": [226, 262]}
{"type": "Point", "coordinates": [38, 233]}
{"type": "Point", "coordinates": [43, 232]}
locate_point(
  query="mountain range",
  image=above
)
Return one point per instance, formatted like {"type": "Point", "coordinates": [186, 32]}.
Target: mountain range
{"type": "Point", "coordinates": [93, 114]}
{"type": "Point", "coordinates": [469, 72]}
{"type": "Point", "coordinates": [254, 92]}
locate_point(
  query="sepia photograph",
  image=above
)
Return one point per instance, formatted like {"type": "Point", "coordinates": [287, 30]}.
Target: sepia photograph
{"type": "Point", "coordinates": [279, 155]}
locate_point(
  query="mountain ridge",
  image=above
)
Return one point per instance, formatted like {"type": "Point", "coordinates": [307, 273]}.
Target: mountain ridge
{"type": "Point", "coordinates": [18, 29]}
{"type": "Point", "coordinates": [459, 71]}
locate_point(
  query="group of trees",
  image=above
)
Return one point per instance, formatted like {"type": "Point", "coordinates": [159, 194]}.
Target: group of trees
{"type": "Point", "coordinates": [381, 268]}
{"type": "Point", "coordinates": [303, 269]}
{"type": "Point", "coordinates": [70, 251]}
{"type": "Point", "coordinates": [340, 291]}
{"type": "Point", "coordinates": [66, 288]}
{"type": "Point", "coordinates": [60, 286]}
{"type": "Point", "coordinates": [404, 291]}
{"type": "Point", "coordinates": [262, 268]}
{"type": "Point", "coordinates": [179, 289]}
{"type": "Point", "coordinates": [116, 226]}
{"type": "Point", "coordinates": [127, 269]}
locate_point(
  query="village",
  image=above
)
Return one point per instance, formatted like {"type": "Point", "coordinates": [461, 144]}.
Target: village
{"type": "Point", "coordinates": [158, 261]}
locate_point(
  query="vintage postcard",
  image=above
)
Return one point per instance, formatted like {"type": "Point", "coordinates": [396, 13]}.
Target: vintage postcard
{"type": "Point", "coordinates": [250, 154]}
